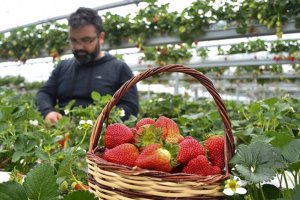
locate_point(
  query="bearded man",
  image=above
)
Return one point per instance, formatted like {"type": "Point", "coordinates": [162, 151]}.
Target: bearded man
{"type": "Point", "coordinates": [89, 70]}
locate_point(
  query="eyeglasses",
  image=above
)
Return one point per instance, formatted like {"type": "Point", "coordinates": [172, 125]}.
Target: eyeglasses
{"type": "Point", "coordinates": [83, 41]}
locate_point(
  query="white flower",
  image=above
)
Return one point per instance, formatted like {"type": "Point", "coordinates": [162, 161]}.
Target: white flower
{"type": "Point", "coordinates": [89, 122]}
{"type": "Point", "coordinates": [33, 122]}
{"type": "Point", "coordinates": [85, 124]}
{"type": "Point", "coordinates": [232, 187]}
{"type": "Point", "coordinates": [66, 111]}
{"type": "Point", "coordinates": [122, 114]}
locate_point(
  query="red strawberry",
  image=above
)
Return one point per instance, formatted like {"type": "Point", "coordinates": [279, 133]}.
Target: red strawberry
{"type": "Point", "coordinates": [216, 170]}
{"type": "Point", "coordinates": [199, 165]}
{"type": "Point", "coordinates": [79, 186]}
{"type": "Point", "coordinates": [124, 154]}
{"type": "Point", "coordinates": [143, 122]}
{"type": "Point", "coordinates": [117, 134]}
{"type": "Point", "coordinates": [154, 157]}
{"type": "Point", "coordinates": [215, 148]}
{"type": "Point", "coordinates": [64, 142]}
{"type": "Point", "coordinates": [189, 149]}
{"type": "Point", "coordinates": [170, 130]}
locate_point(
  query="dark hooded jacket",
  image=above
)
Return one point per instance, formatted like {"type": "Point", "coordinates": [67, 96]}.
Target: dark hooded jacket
{"type": "Point", "coordinates": [70, 80]}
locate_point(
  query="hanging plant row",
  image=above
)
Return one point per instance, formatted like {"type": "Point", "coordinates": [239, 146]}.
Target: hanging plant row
{"type": "Point", "coordinates": [155, 20]}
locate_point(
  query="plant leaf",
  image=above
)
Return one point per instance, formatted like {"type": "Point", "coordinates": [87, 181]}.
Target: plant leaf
{"type": "Point", "coordinates": [291, 152]}
{"type": "Point", "coordinates": [12, 191]}
{"type": "Point", "coordinates": [40, 183]}
{"type": "Point", "coordinates": [79, 195]}
{"type": "Point", "coordinates": [296, 194]}
{"type": "Point", "coordinates": [65, 166]}
{"type": "Point", "coordinates": [96, 96]}
{"type": "Point", "coordinates": [257, 162]}
{"type": "Point", "coordinates": [271, 191]}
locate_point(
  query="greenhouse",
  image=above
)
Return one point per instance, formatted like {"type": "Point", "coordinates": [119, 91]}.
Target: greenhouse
{"type": "Point", "coordinates": [163, 100]}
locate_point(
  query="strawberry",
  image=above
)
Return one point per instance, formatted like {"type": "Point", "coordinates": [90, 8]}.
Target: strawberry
{"type": "Point", "coordinates": [199, 165]}
{"type": "Point", "coordinates": [147, 134]}
{"type": "Point", "coordinates": [79, 186]}
{"type": "Point", "coordinates": [215, 148]}
{"type": "Point", "coordinates": [117, 134]}
{"type": "Point", "coordinates": [124, 154]}
{"type": "Point", "coordinates": [64, 142]}
{"type": "Point", "coordinates": [170, 130]}
{"type": "Point", "coordinates": [154, 157]}
{"type": "Point", "coordinates": [143, 122]}
{"type": "Point", "coordinates": [133, 130]}
{"type": "Point", "coordinates": [216, 170]}
{"type": "Point", "coordinates": [189, 149]}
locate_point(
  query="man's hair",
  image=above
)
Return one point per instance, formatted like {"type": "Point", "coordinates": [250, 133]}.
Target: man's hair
{"type": "Point", "coordinates": [86, 16]}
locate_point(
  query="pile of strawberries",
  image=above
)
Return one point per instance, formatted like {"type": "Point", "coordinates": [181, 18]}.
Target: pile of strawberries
{"type": "Point", "coordinates": [158, 145]}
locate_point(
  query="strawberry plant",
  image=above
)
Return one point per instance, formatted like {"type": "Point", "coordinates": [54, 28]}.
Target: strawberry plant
{"type": "Point", "coordinates": [39, 183]}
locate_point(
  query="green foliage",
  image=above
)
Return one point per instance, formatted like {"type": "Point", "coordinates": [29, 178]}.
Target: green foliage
{"type": "Point", "coordinates": [266, 133]}
{"type": "Point", "coordinates": [257, 162]}
{"type": "Point", "coordinates": [80, 195]}
{"type": "Point", "coordinates": [12, 191]}
{"type": "Point", "coordinates": [156, 20]}
{"type": "Point", "coordinates": [40, 183]}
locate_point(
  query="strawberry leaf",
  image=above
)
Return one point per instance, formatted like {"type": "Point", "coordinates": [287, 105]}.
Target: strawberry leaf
{"type": "Point", "coordinates": [79, 195]}
{"type": "Point", "coordinates": [65, 166]}
{"type": "Point", "coordinates": [40, 183]}
{"type": "Point", "coordinates": [296, 194]}
{"type": "Point", "coordinates": [291, 152]}
{"type": "Point", "coordinates": [12, 191]}
{"type": "Point", "coordinates": [256, 161]}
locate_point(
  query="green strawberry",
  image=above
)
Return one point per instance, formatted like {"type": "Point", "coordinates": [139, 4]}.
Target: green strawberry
{"type": "Point", "coordinates": [124, 154]}
{"type": "Point", "coordinates": [215, 149]}
{"type": "Point", "coordinates": [117, 134]}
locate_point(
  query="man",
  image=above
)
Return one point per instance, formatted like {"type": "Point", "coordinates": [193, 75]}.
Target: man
{"type": "Point", "coordinates": [89, 70]}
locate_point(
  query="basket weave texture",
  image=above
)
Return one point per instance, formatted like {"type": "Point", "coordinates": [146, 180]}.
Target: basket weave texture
{"type": "Point", "coordinates": [113, 181]}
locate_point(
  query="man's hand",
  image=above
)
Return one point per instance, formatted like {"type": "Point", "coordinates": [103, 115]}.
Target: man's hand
{"type": "Point", "coordinates": [53, 117]}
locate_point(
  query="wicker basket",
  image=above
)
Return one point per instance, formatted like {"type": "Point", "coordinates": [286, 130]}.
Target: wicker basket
{"type": "Point", "coordinates": [112, 181]}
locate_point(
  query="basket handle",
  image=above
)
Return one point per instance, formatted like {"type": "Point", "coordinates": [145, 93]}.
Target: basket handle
{"type": "Point", "coordinates": [206, 82]}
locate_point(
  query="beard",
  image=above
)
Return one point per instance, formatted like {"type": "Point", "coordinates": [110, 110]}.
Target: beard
{"type": "Point", "coordinates": [84, 57]}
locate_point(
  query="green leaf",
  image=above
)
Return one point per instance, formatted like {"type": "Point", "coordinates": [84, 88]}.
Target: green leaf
{"type": "Point", "coordinates": [12, 191]}
{"type": "Point", "coordinates": [41, 154]}
{"type": "Point", "coordinates": [257, 162]}
{"type": "Point", "coordinates": [40, 183]}
{"type": "Point", "coordinates": [66, 164]}
{"type": "Point", "coordinates": [291, 152]}
{"type": "Point", "coordinates": [63, 122]}
{"type": "Point", "coordinates": [96, 96]}
{"type": "Point", "coordinates": [271, 101]}
{"type": "Point", "coordinates": [280, 139]}
{"type": "Point", "coordinates": [70, 104]}
{"type": "Point", "coordinates": [271, 191]}
{"type": "Point", "coordinates": [80, 195]}
{"type": "Point", "coordinates": [296, 194]}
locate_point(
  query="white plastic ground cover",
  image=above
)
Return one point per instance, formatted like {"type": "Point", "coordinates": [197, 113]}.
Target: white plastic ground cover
{"type": "Point", "coordinates": [4, 176]}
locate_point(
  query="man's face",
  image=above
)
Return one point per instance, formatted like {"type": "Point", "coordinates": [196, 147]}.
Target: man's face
{"type": "Point", "coordinates": [85, 43]}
